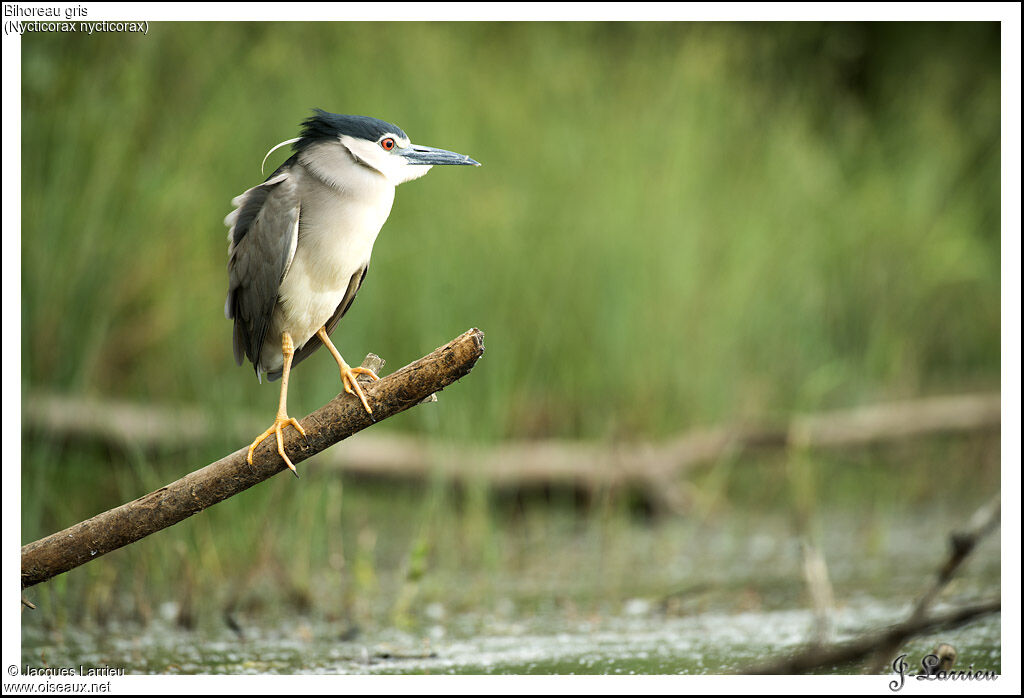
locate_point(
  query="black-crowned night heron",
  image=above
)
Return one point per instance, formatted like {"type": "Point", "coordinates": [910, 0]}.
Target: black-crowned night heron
{"type": "Point", "coordinates": [300, 243]}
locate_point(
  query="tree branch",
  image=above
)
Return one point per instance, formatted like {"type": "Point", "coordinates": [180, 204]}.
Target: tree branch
{"type": "Point", "coordinates": [961, 545]}
{"type": "Point", "coordinates": [338, 419]}
{"type": "Point", "coordinates": [884, 643]}
{"type": "Point", "coordinates": [867, 644]}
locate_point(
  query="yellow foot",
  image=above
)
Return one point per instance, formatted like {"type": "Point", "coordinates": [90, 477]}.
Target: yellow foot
{"type": "Point", "coordinates": [348, 378]}
{"type": "Point", "coordinates": [282, 420]}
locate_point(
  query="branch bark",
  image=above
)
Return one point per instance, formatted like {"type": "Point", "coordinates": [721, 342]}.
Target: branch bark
{"type": "Point", "coordinates": [338, 419]}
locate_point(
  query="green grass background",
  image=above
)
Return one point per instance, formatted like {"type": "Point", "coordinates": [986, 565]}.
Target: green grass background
{"type": "Point", "coordinates": [675, 225]}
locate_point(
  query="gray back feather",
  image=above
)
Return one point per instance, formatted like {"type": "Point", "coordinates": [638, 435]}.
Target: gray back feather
{"type": "Point", "coordinates": [264, 230]}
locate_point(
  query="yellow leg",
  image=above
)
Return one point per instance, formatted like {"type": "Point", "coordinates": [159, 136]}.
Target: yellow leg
{"type": "Point", "coordinates": [282, 419]}
{"type": "Point", "coordinates": [348, 374]}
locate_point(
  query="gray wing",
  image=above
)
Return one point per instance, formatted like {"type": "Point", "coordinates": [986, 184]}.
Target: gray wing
{"type": "Point", "coordinates": [314, 342]}
{"type": "Point", "coordinates": [262, 239]}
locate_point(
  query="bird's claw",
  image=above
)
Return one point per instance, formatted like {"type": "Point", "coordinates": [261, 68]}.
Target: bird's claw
{"type": "Point", "coordinates": [348, 379]}
{"type": "Point", "coordinates": [281, 421]}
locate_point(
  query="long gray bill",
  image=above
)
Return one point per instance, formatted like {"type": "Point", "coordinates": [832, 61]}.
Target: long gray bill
{"type": "Point", "coordinates": [425, 155]}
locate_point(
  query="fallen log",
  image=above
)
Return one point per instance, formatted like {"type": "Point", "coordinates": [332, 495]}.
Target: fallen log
{"type": "Point", "coordinates": [650, 467]}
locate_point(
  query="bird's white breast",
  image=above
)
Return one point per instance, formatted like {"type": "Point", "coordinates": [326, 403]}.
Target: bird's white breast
{"type": "Point", "coordinates": [336, 234]}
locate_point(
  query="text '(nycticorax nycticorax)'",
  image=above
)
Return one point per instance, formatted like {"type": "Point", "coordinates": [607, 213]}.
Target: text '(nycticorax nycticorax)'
{"type": "Point", "coordinates": [300, 244]}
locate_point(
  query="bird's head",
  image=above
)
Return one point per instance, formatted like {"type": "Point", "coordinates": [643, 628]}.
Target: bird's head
{"type": "Point", "coordinates": [335, 140]}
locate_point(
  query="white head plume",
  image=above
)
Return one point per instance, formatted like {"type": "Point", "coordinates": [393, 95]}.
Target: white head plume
{"type": "Point", "coordinates": [291, 140]}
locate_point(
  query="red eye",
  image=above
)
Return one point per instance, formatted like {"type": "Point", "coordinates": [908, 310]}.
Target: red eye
{"type": "Point", "coordinates": [387, 143]}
